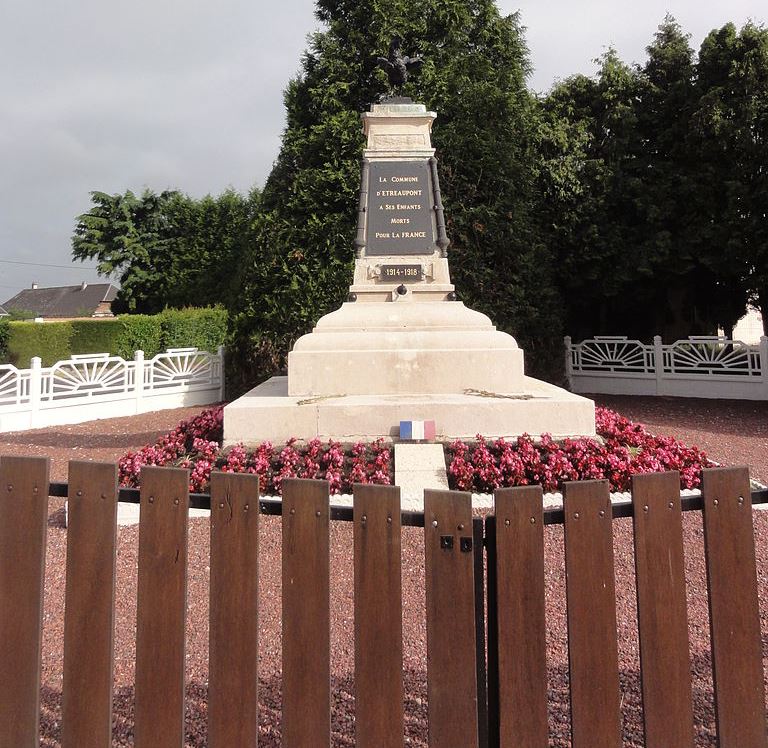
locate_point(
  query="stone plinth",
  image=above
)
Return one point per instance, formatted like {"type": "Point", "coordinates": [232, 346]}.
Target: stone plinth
{"type": "Point", "coordinates": [404, 348]}
{"type": "Point", "coordinates": [268, 412]}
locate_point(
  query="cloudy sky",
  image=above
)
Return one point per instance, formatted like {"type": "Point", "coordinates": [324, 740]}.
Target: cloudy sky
{"type": "Point", "coordinates": [114, 95]}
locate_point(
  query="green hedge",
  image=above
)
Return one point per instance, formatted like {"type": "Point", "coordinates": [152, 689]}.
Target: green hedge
{"type": "Point", "coordinates": [121, 336]}
{"type": "Point", "coordinates": [49, 340]}
{"type": "Point", "coordinates": [139, 332]}
{"type": "Point", "coordinates": [206, 328]}
{"type": "Point", "coordinates": [5, 333]}
{"type": "Point", "coordinates": [94, 335]}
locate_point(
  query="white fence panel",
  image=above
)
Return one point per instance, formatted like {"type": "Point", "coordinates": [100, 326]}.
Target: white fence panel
{"type": "Point", "coordinates": [182, 366]}
{"type": "Point", "coordinates": [14, 385]}
{"type": "Point", "coordinates": [708, 367]}
{"type": "Point", "coordinates": [86, 377]}
{"type": "Point", "coordinates": [94, 386]}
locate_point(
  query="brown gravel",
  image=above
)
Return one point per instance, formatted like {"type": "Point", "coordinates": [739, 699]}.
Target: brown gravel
{"type": "Point", "coordinates": [732, 433]}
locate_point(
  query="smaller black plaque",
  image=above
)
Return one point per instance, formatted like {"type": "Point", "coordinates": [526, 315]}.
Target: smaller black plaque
{"type": "Point", "coordinates": [401, 272]}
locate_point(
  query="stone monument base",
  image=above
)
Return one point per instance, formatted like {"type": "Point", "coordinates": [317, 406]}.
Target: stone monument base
{"type": "Point", "coordinates": [267, 412]}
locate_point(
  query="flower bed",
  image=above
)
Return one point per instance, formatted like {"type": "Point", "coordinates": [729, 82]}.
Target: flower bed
{"type": "Point", "coordinates": [626, 449]}
{"type": "Point", "coordinates": [196, 445]}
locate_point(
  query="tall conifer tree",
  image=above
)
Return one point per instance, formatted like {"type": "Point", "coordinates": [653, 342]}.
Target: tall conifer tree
{"type": "Point", "coordinates": [474, 74]}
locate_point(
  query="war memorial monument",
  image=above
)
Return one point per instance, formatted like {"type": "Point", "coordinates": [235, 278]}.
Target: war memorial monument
{"type": "Point", "coordinates": [403, 347]}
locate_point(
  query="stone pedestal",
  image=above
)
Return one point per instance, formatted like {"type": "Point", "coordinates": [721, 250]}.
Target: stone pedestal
{"type": "Point", "coordinates": [406, 348]}
{"type": "Point", "coordinates": [403, 347]}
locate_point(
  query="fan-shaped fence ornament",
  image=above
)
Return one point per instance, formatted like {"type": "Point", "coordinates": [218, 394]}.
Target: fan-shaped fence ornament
{"type": "Point", "coordinates": [177, 366]}
{"type": "Point", "coordinates": [710, 355]}
{"type": "Point", "coordinates": [613, 354]}
{"type": "Point", "coordinates": [98, 374]}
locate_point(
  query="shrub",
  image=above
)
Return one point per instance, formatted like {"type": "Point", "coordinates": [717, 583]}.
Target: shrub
{"type": "Point", "coordinates": [139, 332]}
{"type": "Point", "coordinates": [51, 341]}
{"type": "Point", "coordinates": [95, 336]}
{"type": "Point", "coordinates": [204, 328]}
{"type": "Point", "coordinates": [5, 333]}
{"type": "Point", "coordinates": [19, 315]}
{"type": "Point", "coordinates": [121, 336]}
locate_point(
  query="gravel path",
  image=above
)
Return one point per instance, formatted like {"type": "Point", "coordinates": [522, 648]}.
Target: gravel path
{"type": "Point", "coordinates": [732, 433]}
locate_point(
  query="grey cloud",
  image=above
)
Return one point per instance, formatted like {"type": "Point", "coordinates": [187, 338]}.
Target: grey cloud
{"type": "Point", "coordinates": [187, 94]}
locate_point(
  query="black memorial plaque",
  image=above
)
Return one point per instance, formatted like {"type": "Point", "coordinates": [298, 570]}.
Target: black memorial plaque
{"type": "Point", "coordinates": [399, 209]}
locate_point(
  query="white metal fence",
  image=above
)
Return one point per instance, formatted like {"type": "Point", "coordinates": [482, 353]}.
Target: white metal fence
{"type": "Point", "coordinates": [98, 385]}
{"type": "Point", "coordinates": [711, 367]}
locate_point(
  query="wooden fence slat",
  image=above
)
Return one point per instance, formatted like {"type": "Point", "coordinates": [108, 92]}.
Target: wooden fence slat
{"type": "Point", "coordinates": [89, 620]}
{"type": "Point", "coordinates": [481, 644]}
{"type": "Point", "coordinates": [162, 588]}
{"type": "Point", "coordinates": [451, 667]}
{"type": "Point", "coordinates": [233, 716]}
{"type": "Point", "coordinates": [733, 609]}
{"type": "Point", "coordinates": [591, 594]}
{"type": "Point", "coordinates": [306, 615]}
{"type": "Point", "coordinates": [661, 610]}
{"type": "Point", "coordinates": [378, 618]}
{"type": "Point", "coordinates": [23, 525]}
{"type": "Point", "coordinates": [521, 628]}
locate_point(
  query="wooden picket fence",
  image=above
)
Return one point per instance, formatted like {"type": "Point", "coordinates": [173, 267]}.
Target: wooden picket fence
{"type": "Point", "coordinates": [466, 708]}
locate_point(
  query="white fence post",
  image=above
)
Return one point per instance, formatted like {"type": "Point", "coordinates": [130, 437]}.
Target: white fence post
{"type": "Point", "coordinates": [138, 378]}
{"type": "Point", "coordinates": [35, 390]}
{"type": "Point", "coordinates": [221, 353]}
{"type": "Point", "coordinates": [658, 363]}
{"type": "Point", "coordinates": [764, 364]}
{"type": "Point", "coordinates": [568, 362]}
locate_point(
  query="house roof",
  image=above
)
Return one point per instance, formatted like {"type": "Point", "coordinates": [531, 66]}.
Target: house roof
{"type": "Point", "coordinates": [3, 313]}
{"type": "Point", "coordinates": [63, 301]}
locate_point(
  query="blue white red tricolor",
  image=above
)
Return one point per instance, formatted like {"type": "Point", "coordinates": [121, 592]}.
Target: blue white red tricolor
{"type": "Point", "coordinates": [417, 430]}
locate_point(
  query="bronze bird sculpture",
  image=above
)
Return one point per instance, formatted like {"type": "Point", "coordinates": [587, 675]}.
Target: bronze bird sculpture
{"type": "Point", "coordinates": [397, 65]}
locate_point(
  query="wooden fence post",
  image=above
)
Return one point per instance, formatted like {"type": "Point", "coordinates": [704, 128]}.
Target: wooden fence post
{"type": "Point", "coordinates": [519, 642]}
{"type": "Point", "coordinates": [737, 664]}
{"type": "Point", "coordinates": [378, 617]}
{"type": "Point", "coordinates": [160, 615]}
{"type": "Point", "coordinates": [89, 619]}
{"type": "Point", "coordinates": [233, 715]}
{"type": "Point", "coordinates": [591, 593]}
{"type": "Point", "coordinates": [665, 666]}
{"type": "Point", "coordinates": [306, 615]}
{"type": "Point", "coordinates": [23, 525]}
{"type": "Point", "coordinates": [451, 665]}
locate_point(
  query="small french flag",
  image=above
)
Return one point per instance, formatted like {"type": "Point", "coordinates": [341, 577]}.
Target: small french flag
{"type": "Point", "coordinates": [417, 430]}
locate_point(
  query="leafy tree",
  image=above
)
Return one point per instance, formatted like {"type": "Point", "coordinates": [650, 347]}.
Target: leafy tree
{"type": "Point", "coordinates": [635, 195]}
{"type": "Point", "coordinates": [682, 288]}
{"type": "Point", "coordinates": [474, 77]}
{"type": "Point", "coordinates": [731, 130]}
{"type": "Point", "coordinates": [166, 249]}
{"type": "Point", "coordinates": [590, 191]}
{"type": "Point", "coordinates": [129, 236]}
